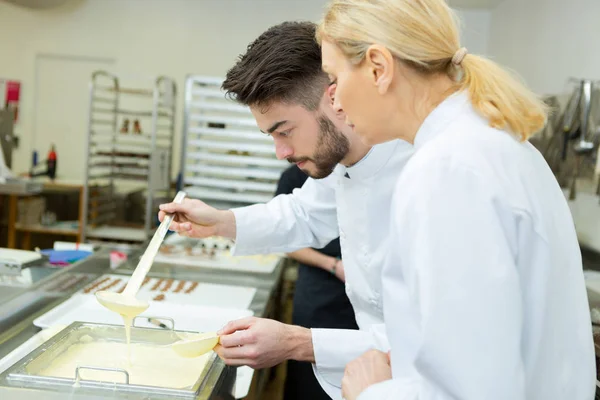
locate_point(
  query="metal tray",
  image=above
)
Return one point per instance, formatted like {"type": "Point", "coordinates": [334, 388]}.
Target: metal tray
{"type": "Point", "coordinates": [24, 373]}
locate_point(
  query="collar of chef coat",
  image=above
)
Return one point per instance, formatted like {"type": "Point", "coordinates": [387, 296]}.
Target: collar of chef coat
{"type": "Point", "coordinates": [441, 116]}
{"type": "Point", "coordinates": [373, 162]}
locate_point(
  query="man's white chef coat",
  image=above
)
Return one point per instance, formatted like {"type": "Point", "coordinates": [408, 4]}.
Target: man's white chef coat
{"type": "Point", "coordinates": [484, 294]}
{"type": "Point", "coordinates": [354, 204]}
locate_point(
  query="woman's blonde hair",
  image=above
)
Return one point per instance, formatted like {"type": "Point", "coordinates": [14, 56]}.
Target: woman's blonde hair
{"type": "Point", "coordinates": [423, 34]}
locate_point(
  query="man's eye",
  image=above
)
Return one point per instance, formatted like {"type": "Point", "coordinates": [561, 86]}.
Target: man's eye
{"type": "Point", "coordinates": [285, 133]}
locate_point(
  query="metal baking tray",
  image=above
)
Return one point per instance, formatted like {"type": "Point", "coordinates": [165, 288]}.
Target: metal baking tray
{"type": "Point", "coordinates": [24, 373]}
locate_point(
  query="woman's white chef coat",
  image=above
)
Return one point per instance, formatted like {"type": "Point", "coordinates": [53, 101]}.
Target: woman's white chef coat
{"type": "Point", "coordinates": [484, 294]}
{"type": "Point", "coordinates": [354, 204]}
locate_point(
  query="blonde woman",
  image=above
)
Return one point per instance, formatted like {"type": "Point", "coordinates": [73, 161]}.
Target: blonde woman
{"type": "Point", "coordinates": [484, 296]}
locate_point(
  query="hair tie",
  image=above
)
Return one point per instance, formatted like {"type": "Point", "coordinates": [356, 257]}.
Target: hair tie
{"type": "Point", "coordinates": [459, 56]}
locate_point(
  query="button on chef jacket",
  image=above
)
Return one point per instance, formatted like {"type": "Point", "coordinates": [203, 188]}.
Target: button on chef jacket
{"type": "Point", "coordinates": [354, 204]}
{"type": "Point", "coordinates": [484, 295]}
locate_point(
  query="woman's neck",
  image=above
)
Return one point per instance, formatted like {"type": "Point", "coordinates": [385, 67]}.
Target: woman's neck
{"type": "Point", "coordinates": [416, 103]}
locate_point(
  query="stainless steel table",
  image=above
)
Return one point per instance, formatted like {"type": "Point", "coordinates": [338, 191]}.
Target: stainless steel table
{"type": "Point", "coordinates": [26, 304]}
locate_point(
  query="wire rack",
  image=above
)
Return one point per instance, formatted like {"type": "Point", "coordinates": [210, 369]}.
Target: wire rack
{"type": "Point", "coordinates": [129, 146]}
{"type": "Point", "coordinates": [226, 161]}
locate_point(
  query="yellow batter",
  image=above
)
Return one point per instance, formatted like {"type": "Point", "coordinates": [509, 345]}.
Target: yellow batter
{"type": "Point", "coordinates": [151, 365]}
{"type": "Point", "coordinates": [127, 306]}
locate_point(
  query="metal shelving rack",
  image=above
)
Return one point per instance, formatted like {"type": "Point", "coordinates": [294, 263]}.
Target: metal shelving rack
{"type": "Point", "coordinates": [226, 161]}
{"type": "Point", "coordinates": [116, 159]}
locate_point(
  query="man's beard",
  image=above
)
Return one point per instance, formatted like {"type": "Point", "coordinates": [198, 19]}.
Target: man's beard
{"type": "Point", "coordinates": [332, 147]}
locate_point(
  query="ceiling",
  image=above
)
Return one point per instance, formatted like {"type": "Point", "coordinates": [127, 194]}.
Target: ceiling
{"type": "Point", "coordinates": [474, 3]}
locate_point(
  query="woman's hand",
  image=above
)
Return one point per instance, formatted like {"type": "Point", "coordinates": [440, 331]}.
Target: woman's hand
{"type": "Point", "coordinates": [370, 368]}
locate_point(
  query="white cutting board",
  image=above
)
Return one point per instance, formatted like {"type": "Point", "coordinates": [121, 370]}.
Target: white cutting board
{"type": "Point", "coordinates": [204, 294]}
{"type": "Point", "coordinates": [85, 308]}
{"type": "Point", "coordinates": [222, 258]}
{"type": "Point", "coordinates": [223, 261]}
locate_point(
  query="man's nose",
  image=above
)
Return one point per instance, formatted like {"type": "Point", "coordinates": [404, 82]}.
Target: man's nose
{"type": "Point", "coordinates": [283, 150]}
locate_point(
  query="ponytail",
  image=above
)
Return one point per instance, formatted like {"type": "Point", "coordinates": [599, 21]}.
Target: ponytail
{"type": "Point", "coordinates": [499, 97]}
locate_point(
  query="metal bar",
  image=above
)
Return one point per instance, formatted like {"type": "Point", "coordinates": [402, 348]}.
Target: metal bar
{"type": "Point", "coordinates": [211, 194]}
{"type": "Point", "coordinates": [123, 147]}
{"type": "Point", "coordinates": [123, 154]}
{"type": "Point", "coordinates": [114, 138]}
{"type": "Point", "coordinates": [130, 112]}
{"type": "Point", "coordinates": [237, 159]}
{"type": "Point", "coordinates": [206, 80]}
{"type": "Point", "coordinates": [233, 133]}
{"type": "Point", "coordinates": [101, 121]}
{"type": "Point", "coordinates": [586, 97]}
{"type": "Point", "coordinates": [235, 172]}
{"type": "Point", "coordinates": [153, 165]}
{"type": "Point", "coordinates": [232, 184]}
{"type": "Point", "coordinates": [132, 91]}
{"type": "Point", "coordinates": [133, 136]}
{"type": "Point", "coordinates": [240, 147]}
{"type": "Point", "coordinates": [249, 122]}
{"type": "Point", "coordinates": [189, 84]}
{"type": "Point", "coordinates": [118, 165]}
{"type": "Point", "coordinates": [130, 176]}
{"type": "Point", "coordinates": [204, 105]}
{"type": "Point", "coordinates": [172, 132]}
{"type": "Point", "coordinates": [103, 100]}
{"type": "Point", "coordinates": [99, 176]}
{"type": "Point", "coordinates": [206, 91]}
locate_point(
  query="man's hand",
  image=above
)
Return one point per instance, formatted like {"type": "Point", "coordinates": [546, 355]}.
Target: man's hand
{"type": "Point", "coordinates": [370, 368]}
{"type": "Point", "coordinates": [195, 218]}
{"type": "Point", "coordinates": [262, 343]}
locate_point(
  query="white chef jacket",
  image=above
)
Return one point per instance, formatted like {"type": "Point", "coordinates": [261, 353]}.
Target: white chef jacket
{"type": "Point", "coordinates": [484, 295]}
{"type": "Point", "coordinates": [354, 204]}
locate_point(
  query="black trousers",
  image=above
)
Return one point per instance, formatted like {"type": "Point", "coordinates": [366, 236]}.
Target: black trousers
{"type": "Point", "coordinates": [320, 301]}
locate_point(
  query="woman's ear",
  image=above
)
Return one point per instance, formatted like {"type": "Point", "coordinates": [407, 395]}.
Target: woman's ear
{"type": "Point", "coordinates": [331, 92]}
{"type": "Point", "coordinates": [380, 64]}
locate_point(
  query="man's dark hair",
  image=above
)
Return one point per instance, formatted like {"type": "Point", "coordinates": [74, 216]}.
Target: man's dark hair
{"type": "Point", "coordinates": [283, 64]}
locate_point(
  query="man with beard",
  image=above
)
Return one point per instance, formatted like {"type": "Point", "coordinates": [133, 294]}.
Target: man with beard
{"type": "Point", "coordinates": [348, 195]}
{"type": "Point", "coordinates": [320, 299]}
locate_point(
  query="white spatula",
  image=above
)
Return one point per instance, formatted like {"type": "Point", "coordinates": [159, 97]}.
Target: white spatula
{"type": "Point", "coordinates": [125, 303]}
{"type": "Point", "coordinates": [196, 345]}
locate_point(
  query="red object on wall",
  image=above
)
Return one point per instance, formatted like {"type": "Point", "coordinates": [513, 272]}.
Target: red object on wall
{"type": "Point", "coordinates": [13, 93]}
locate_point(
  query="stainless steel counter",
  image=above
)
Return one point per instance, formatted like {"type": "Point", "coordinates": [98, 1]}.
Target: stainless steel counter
{"type": "Point", "coordinates": [20, 306]}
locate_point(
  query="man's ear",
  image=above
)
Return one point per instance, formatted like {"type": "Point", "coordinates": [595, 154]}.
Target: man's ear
{"type": "Point", "coordinates": [330, 93]}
